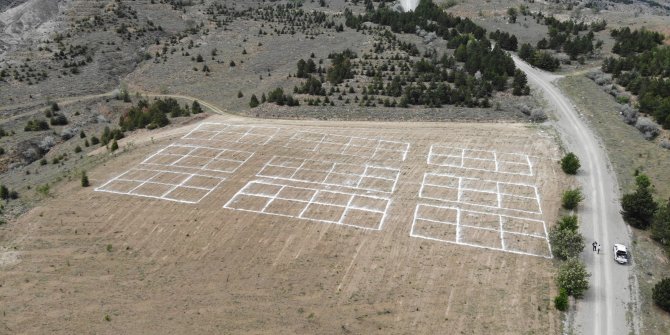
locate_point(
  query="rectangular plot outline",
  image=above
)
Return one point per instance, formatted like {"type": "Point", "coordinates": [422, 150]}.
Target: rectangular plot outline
{"type": "Point", "coordinates": [495, 159]}
{"type": "Point", "coordinates": [164, 196]}
{"type": "Point", "coordinates": [498, 193]}
{"type": "Point", "coordinates": [331, 172]}
{"type": "Point", "coordinates": [308, 203]}
{"type": "Point", "coordinates": [502, 231]}
{"type": "Point", "coordinates": [348, 144]}
{"type": "Point", "coordinates": [196, 147]}
{"type": "Point", "coordinates": [227, 129]}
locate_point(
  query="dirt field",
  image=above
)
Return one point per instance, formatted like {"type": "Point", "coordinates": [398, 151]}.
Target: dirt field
{"type": "Point", "coordinates": [243, 226]}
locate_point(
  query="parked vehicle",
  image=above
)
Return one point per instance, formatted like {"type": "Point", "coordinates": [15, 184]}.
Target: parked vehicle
{"type": "Point", "coordinates": [620, 254]}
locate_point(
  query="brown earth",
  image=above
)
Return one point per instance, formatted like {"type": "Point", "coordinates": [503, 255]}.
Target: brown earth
{"type": "Point", "coordinates": [98, 262]}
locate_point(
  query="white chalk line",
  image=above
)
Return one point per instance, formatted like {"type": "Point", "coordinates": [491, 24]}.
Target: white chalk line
{"type": "Point", "coordinates": [461, 188]}
{"type": "Point", "coordinates": [329, 172]}
{"type": "Point", "coordinates": [458, 225]}
{"type": "Point", "coordinates": [379, 146]}
{"type": "Point", "coordinates": [230, 129]}
{"type": "Point", "coordinates": [165, 194]}
{"type": "Point", "coordinates": [165, 168]}
{"type": "Point", "coordinates": [496, 160]}
{"type": "Point", "coordinates": [272, 196]}
{"type": "Point", "coordinates": [203, 166]}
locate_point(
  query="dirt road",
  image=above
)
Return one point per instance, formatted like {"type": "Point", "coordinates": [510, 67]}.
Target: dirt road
{"type": "Point", "coordinates": [613, 290]}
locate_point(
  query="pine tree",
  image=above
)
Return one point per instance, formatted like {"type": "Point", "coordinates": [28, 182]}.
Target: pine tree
{"type": "Point", "coordinates": [84, 179]}
{"type": "Point", "coordinates": [196, 108]}
{"type": "Point", "coordinates": [253, 103]}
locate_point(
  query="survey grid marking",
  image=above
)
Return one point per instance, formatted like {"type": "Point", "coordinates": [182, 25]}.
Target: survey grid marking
{"type": "Point", "coordinates": [210, 131]}
{"type": "Point", "coordinates": [371, 148]}
{"type": "Point", "coordinates": [495, 191]}
{"type": "Point", "coordinates": [327, 206]}
{"type": "Point", "coordinates": [364, 177]}
{"type": "Point", "coordinates": [199, 157]}
{"type": "Point", "coordinates": [447, 225]}
{"type": "Point", "coordinates": [482, 160]}
{"type": "Point", "coordinates": [162, 184]}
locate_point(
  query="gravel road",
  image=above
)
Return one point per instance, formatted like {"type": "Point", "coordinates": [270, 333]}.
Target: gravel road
{"type": "Point", "coordinates": [610, 306]}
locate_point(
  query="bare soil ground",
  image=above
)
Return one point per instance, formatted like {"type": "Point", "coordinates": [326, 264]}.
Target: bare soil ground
{"type": "Point", "coordinates": [100, 262]}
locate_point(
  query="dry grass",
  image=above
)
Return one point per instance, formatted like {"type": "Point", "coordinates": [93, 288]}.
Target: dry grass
{"type": "Point", "coordinates": [157, 266]}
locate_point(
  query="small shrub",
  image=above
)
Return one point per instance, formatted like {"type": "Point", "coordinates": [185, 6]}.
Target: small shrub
{"type": "Point", "coordinates": [2, 151]}
{"type": "Point", "coordinates": [82, 134]}
{"type": "Point", "coordinates": [239, 94]}
{"type": "Point", "coordinates": [108, 318]}
{"type": "Point", "coordinates": [109, 248]}
{"type": "Point", "coordinates": [94, 140]}
{"type": "Point", "coordinates": [561, 300]}
{"type": "Point", "coordinates": [570, 163]}
{"type": "Point", "coordinates": [538, 115]}
{"type": "Point", "coordinates": [43, 189]}
{"type": "Point", "coordinates": [4, 192]}
{"type": "Point", "coordinates": [77, 149]}
{"type": "Point", "coordinates": [58, 120]}
{"type": "Point", "coordinates": [629, 114]}
{"type": "Point", "coordinates": [647, 127]}
{"type": "Point", "coordinates": [571, 198]}
{"type": "Point", "coordinates": [36, 125]}
{"type": "Point", "coordinates": [115, 146]}
{"type": "Point", "coordinates": [661, 294]}
{"type": "Point", "coordinates": [568, 222]}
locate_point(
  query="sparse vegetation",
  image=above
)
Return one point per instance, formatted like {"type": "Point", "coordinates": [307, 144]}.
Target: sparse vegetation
{"type": "Point", "coordinates": [36, 125]}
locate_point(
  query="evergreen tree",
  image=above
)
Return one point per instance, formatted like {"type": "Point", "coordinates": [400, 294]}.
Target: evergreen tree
{"type": "Point", "coordinates": [660, 226]}
{"type": "Point", "coordinates": [84, 179]}
{"type": "Point", "coordinates": [196, 108]}
{"type": "Point", "coordinates": [253, 103]}
{"type": "Point", "coordinates": [519, 86]}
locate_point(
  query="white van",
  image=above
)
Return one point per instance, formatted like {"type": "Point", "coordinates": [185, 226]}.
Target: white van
{"type": "Point", "coordinates": [620, 254]}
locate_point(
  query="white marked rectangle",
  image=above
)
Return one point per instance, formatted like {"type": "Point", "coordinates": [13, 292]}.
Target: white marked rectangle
{"type": "Point", "coordinates": [199, 157]}
{"type": "Point", "coordinates": [162, 184]}
{"type": "Point", "coordinates": [518, 197]}
{"type": "Point", "coordinates": [362, 177]}
{"type": "Point", "coordinates": [482, 230]}
{"type": "Point", "coordinates": [370, 148]}
{"type": "Point", "coordinates": [481, 160]}
{"type": "Point", "coordinates": [327, 206]}
{"type": "Point", "coordinates": [259, 135]}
